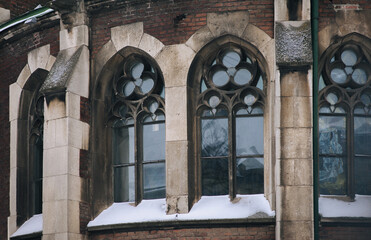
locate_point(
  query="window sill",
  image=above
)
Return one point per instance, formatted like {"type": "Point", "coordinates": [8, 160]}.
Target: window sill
{"type": "Point", "coordinates": [32, 228]}
{"type": "Point", "coordinates": [218, 210]}
{"type": "Point", "coordinates": [334, 207]}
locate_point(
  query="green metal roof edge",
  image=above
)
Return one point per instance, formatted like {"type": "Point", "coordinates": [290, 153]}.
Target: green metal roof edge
{"type": "Point", "coordinates": [33, 13]}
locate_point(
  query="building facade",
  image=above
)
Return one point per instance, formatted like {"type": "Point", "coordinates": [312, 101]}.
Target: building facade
{"type": "Point", "coordinates": [165, 119]}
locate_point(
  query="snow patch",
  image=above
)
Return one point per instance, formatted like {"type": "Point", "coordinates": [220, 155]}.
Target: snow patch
{"type": "Point", "coordinates": [208, 207]}
{"type": "Point", "coordinates": [361, 207]}
{"type": "Point", "coordinates": [32, 225]}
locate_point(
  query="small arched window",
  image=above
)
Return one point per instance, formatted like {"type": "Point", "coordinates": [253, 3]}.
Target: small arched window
{"type": "Point", "coordinates": [229, 114]}
{"type": "Point", "coordinates": [345, 120]}
{"type": "Point", "coordinates": [137, 120]}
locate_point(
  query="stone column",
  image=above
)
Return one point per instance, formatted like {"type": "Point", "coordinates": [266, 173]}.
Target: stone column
{"type": "Point", "coordinates": [66, 135]}
{"type": "Point", "coordinates": [294, 185]}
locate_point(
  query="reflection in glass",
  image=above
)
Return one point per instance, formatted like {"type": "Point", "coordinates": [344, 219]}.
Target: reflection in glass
{"type": "Point", "coordinates": [249, 99]}
{"type": "Point", "coordinates": [214, 176]}
{"type": "Point", "coordinates": [349, 57]}
{"type": "Point", "coordinates": [332, 135]}
{"type": "Point", "coordinates": [214, 137]}
{"type": "Point", "coordinates": [243, 76]}
{"type": "Point", "coordinates": [128, 88]}
{"type": "Point", "coordinates": [362, 175]}
{"type": "Point", "coordinates": [338, 75]}
{"type": "Point", "coordinates": [153, 142]}
{"type": "Point", "coordinates": [321, 83]}
{"type": "Point", "coordinates": [362, 135]}
{"type": "Point", "coordinates": [214, 101]}
{"type": "Point", "coordinates": [250, 175]}
{"type": "Point", "coordinates": [137, 70]}
{"type": "Point", "coordinates": [359, 76]}
{"type": "Point", "coordinates": [147, 85]}
{"type": "Point", "coordinates": [154, 180]}
{"type": "Point", "coordinates": [220, 78]}
{"type": "Point", "coordinates": [365, 98]}
{"type": "Point", "coordinates": [123, 145]}
{"type": "Point", "coordinates": [38, 174]}
{"type": "Point", "coordinates": [332, 177]}
{"type": "Point", "coordinates": [332, 98]}
{"type": "Point", "coordinates": [249, 136]}
{"type": "Point", "coordinates": [231, 59]}
{"type": "Point", "coordinates": [124, 184]}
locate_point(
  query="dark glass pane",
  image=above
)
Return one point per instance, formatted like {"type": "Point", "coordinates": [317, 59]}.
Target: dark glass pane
{"type": "Point", "coordinates": [37, 174]}
{"type": "Point", "coordinates": [38, 188]}
{"type": "Point", "coordinates": [123, 145]}
{"type": "Point", "coordinates": [124, 184]}
{"type": "Point", "coordinates": [362, 135]}
{"type": "Point", "coordinates": [332, 175]}
{"type": "Point", "coordinates": [332, 135]}
{"type": "Point", "coordinates": [250, 175]}
{"type": "Point", "coordinates": [154, 142]}
{"type": "Point", "coordinates": [214, 176]}
{"type": "Point", "coordinates": [249, 136]}
{"type": "Point", "coordinates": [154, 180]}
{"type": "Point", "coordinates": [362, 175]}
{"type": "Point", "coordinates": [214, 134]}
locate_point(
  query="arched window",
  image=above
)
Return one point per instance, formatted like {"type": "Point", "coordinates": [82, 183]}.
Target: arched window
{"type": "Point", "coordinates": [229, 112]}
{"type": "Point", "coordinates": [137, 121]}
{"type": "Point", "coordinates": [345, 120]}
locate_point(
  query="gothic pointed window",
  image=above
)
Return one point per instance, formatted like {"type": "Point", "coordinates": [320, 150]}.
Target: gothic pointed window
{"type": "Point", "coordinates": [345, 121]}
{"type": "Point", "coordinates": [230, 117]}
{"type": "Point", "coordinates": [137, 120]}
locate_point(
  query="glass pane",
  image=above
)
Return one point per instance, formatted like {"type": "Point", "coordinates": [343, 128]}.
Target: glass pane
{"type": "Point", "coordinates": [324, 110]}
{"type": "Point", "coordinates": [250, 175]}
{"type": "Point", "coordinates": [349, 57]}
{"type": "Point", "coordinates": [243, 76]}
{"type": "Point", "coordinates": [203, 86]}
{"type": "Point", "coordinates": [214, 101]}
{"type": "Point", "coordinates": [38, 188]}
{"type": "Point", "coordinates": [249, 99]}
{"type": "Point", "coordinates": [147, 85]}
{"type": "Point", "coordinates": [136, 70]}
{"type": "Point", "coordinates": [220, 78]}
{"type": "Point", "coordinates": [362, 175]}
{"type": "Point", "coordinates": [348, 70]}
{"type": "Point", "coordinates": [214, 176]}
{"type": "Point", "coordinates": [338, 75]}
{"type": "Point", "coordinates": [220, 112]}
{"type": "Point", "coordinates": [332, 98]}
{"type": "Point", "coordinates": [332, 177]}
{"type": "Point", "coordinates": [365, 98]}
{"type": "Point", "coordinates": [359, 76]}
{"type": "Point", "coordinates": [231, 59]}
{"type": "Point", "coordinates": [38, 159]}
{"type": "Point", "coordinates": [128, 88]}
{"type": "Point", "coordinates": [124, 184]}
{"type": "Point", "coordinates": [260, 83]}
{"type": "Point", "coordinates": [332, 135]}
{"type": "Point", "coordinates": [123, 145]}
{"type": "Point", "coordinates": [214, 134]}
{"type": "Point", "coordinates": [362, 135]}
{"type": "Point", "coordinates": [321, 83]}
{"type": "Point", "coordinates": [359, 110]}
{"type": "Point", "coordinates": [154, 142]}
{"type": "Point", "coordinates": [249, 136]}
{"type": "Point", "coordinates": [154, 180]}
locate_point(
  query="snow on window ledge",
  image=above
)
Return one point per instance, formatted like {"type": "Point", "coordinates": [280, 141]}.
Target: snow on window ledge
{"type": "Point", "coordinates": [31, 226]}
{"type": "Point", "coordinates": [335, 208]}
{"type": "Point", "coordinates": [207, 208]}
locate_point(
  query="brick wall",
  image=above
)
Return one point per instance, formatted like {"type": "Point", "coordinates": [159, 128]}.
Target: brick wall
{"type": "Point", "coordinates": [237, 233]}
{"type": "Point", "coordinates": [158, 18]}
{"type": "Point", "coordinates": [13, 57]}
{"type": "Point", "coordinates": [327, 12]}
{"type": "Point", "coordinates": [18, 7]}
{"type": "Point", "coordinates": [345, 232]}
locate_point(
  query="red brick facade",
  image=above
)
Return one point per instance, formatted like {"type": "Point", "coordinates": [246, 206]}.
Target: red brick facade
{"type": "Point", "coordinates": [345, 232]}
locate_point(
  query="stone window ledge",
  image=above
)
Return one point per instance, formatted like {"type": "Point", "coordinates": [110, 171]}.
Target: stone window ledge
{"type": "Point", "coordinates": [32, 228]}
{"type": "Point", "coordinates": [345, 221]}
{"type": "Point", "coordinates": [209, 210]}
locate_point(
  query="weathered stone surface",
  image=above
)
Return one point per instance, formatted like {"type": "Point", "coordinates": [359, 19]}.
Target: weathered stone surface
{"type": "Point", "coordinates": [296, 143]}
{"type": "Point", "coordinates": [4, 15]}
{"type": "Point", "coordinates": [296, 172]}
{"type": "Point", "coordinates": [104, 54]}
{"type": "Point", "coordinates": [293, 43]}
{"type": "Point", "coordinates": [73, 105]}
{"type": "Point", "coordinates": [23, 76]}
{"type": "Point", "coordinates": [55, 109]}
{"type": "Point", "coordinates": [79, 80]}
{"type": "Point", "coordinates": [177, 204]}
{"type": "Point", "coordinates": [227, 23]}
{"type": "Point", "coordinates": [176, 113]}
{"type": "Point", "coordinates": [75, 37]}
{"type": "Point", "coordinates": [296, 111]}
{"type": "Point", "coordinates": [200, 38]}
{"type": "Point", "coordinates": [255, 36]}
{"type": "Point", "coordinates": [150, 45]}
{"type": "Point", "coordinates": [295, 84]}
{"type": "Point", "coordinates": [15, 92]}
{"type": "Point", "coordinates": [302, 230]}
{"type": "Point", "coordinates": [297, 203]}
{"type": "Point", "coordinates": [127, 35]}
{"type": "Point", "coordinates": [38, 58]}
{"type": "Point", "coordinates": [174, 61]}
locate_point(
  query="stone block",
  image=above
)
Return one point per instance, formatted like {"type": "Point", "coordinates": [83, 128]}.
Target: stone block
{"type": "Point", "coordinates": [176, 113]}
{"type": "Point", "coordinates": [297, 203]}
{"type": "Point", "coordinates": [55, 217]}
{"type": "Point", "coordinates": [78, 134]}
{"type": "Point", "coordinates": [295, 84]}
{"type": "Point", "coordinates": [50, 63]}
{"type": "Point", "coordinates": [177, 204]}
{"type": "Point", "coordinates": [293, 43]}
{"type": "Point", "coordinates": [79, 80]}
{"type": "Point", "coordinates": [55, 161]}
{"type": "Point", "coordinates": [150, 45]}
{"type": "Point", "coordinates": [200, 38]}
{"type": "Point", "coordinates": [74, 37]}
{"type": "Point", "coordinates": [296, 112]}
{"type": "Point", "coordinates": [104, 54]}
{"type": "Point", "coordinates": [280, 10]}
{"type": "Point", "coordinates": [296, 172]}
{"type": "Point", "coordinates": [4, 15]}
{"type": "Point", "coordinates": [176, 168]}
{"type": "Point", "coordinates": [55, 188]}
{"type": "Point", "coordinates": [256, 36]}
{"type": "Point", "coordinates": [55, 109]}
{"type": "Point", "coordinates": [296, 143]}
{"type": "Point", "coordinates": [302, 230]}
{"type": "Point", "coordinates": [268, 53]}
{"type": "Point", "coordinates": [61, 133]}
{"type": "Point", "coordinates": [49, 134]}
{"type": "Point", "coordinates": [73, 105]}
{"type": "Point", "coordinates": [15, 92]}
{"type": "Point", "coordinates": [74, 161]}
{"type": "Point", "coordinates": [73, 216]}
{"type": "Point", "coordinates": [23, 76]}
{"type": "Point", "coordinates": [38, 58]}
{"type": "Point", "coordinates": [13, 191]}
{"type": "Point", "coordinates": [233, 23]}
{"type": "Point", "coordinates": [174, 62]}
{"type": "Point", "coordinates": [127, 35]}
